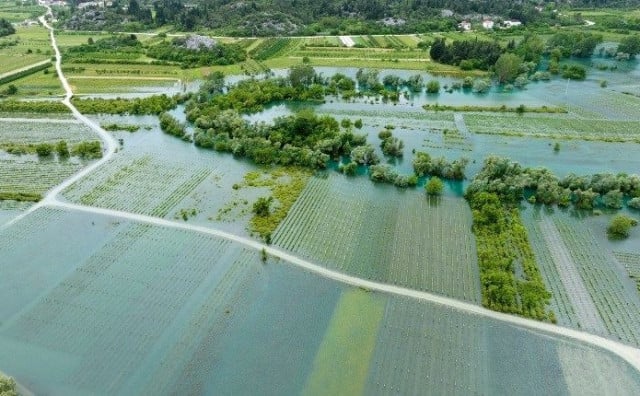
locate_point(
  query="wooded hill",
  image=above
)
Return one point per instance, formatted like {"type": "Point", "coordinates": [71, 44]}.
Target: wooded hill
{"type": "Point", "coordinates": [288, 17]}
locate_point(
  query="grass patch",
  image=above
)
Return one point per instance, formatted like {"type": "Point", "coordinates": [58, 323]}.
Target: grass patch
{"type": "Point", "coordinates": [341, 365]}
{"type": "Point", "coordinates": [285, 184]}
{"type": "Point", "coordinates": [20, 196]}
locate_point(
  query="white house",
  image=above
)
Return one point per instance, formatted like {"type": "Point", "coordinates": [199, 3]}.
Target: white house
{"type": "Point", "coordinates": [487, 24]}
{"type": "Point", "coordinates": [465, 25]}
{"type": "Point", "coordinates": [511, 23]}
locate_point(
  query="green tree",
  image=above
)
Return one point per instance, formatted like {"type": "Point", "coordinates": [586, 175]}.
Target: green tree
{"type": "Point", "coordinates": [574, 72]}
{"type": "Point", "coordinates": [435, 186]}
{"type": "Point", "coordinates": [62, 149]}
{"type": "Point", "coordinates": [433, 87]}
{"type": "Point", "coordinates": [44, 149]}
{"type": "Point", "coordinates": [507, 67]}
{"type": "Point", "coordinates": [630, 45]}
{"type": "Point", "coordinates": [531, 48]}
{"type": "Point", "coordinates": [302, 76]}
{"type": "Point", "coordinates": [620, 226]}
{"type": "Point", "coordinates": [6, 28]}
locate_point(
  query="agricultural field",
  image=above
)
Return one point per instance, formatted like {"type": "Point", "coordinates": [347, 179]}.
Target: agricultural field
{"type": "Point", "coordinates": [126, 304]}
{"type": "Point", "coordinates": [27, 46]}
{"type": "Point", "coordinates": [590, 289]}
{"type": "Point", "coordinates": [146, 309]}
{"type": "Point", "coordinates": [631, 262]}
{"type": "Point", "coordinates": [139, 185]}
{"type": "Point", "coordinates": [28, 175]}
{"type": "Point", "coordinates": [40, 130]}
{"type": "Point", "coordinates": [556, 127]}
{"type": "Point", "coordinates": [15, 12]}
{"type": "Point", "coordinates": [425, 245]}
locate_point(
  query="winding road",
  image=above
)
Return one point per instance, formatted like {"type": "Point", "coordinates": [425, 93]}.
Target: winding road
{"type": "Point", "coordinates": [626, 352]}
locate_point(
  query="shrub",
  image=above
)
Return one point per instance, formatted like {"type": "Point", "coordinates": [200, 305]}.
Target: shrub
{"type": "Point", "coordinates": [433, 87]}
{"type": "Point", "coordinates": [262, 207]}
{"type": "Point", "coordinates": [574, 72]}
{"type": "Point", "coordinates": [435, 186]}
{"type": "Point", "coordinates": [44, 149]}
{"type": "Point", "coordinates": [620, 226]}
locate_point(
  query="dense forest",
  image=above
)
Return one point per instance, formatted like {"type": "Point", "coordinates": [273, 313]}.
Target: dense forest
{"type": "Point", "coordinates": [282, 17]}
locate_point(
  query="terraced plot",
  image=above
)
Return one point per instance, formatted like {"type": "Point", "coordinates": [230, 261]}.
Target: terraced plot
{"type": "Point", "coordinates": [360, 228]}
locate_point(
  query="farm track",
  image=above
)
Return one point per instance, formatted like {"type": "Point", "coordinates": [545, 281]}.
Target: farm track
{"type": "Point", "coordinates": [626, 352]}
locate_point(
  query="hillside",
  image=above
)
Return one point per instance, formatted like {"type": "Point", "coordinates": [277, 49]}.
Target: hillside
{"type": "Point", "coordinates": [307, 17]}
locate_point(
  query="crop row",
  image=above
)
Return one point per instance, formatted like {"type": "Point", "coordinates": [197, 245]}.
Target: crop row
{"type": "Point", "coordinates": [631, 261]}
{"type": "Point", "coordinates": [560, 298]}
{"type": "Point", "coordinates": [41, 131]}
{"type": "Point", "coordinates": [33, 177]}
{"type": "Point", "coordinates": [113, 309]}
{"type": "Point", "coordinates": [423, 245]}
{"type": "Point", "coordinates": [555, 127]}
{"type": "Point", "coordinates": [433, 248]}
{"type": "Point", "coordinates": [412, 335]}
{"type": "Point", "coordinates": [200, 337]}
{"type": "Point", "coordinates": [618, 307]}
{"type": "Point", "coordinates": [144, 185]}
{"type": "Point", "coordinates": [608, 104]}
{"type": "Point", "coordinates": [270, 48]}
{"type": "Point", "coordinates": [341, 52]}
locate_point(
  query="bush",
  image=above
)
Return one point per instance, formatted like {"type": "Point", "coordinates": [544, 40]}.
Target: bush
{"type": "Point", "coordinates": [44, 149]}
{"type": "Point", "coordinates": [349, 169]}
{"type": "Point", "coordinates": [433, 87]}
{"type": "Point", "coordinates": [435, 186]}
{"type": "Point", "coordinates": [620, 226]}
{"type": "Point", "coordinates": [481, 86]}
{"type": "Point", "coordinates": [385, 134]}
{"type": "Point", "coordinates": [634, 203]}
{"type": "Point", "coordinates": [62, 149]}
{"type": "Point", "coordinates": [88, 150]}
{"type": "Point", "coordinates": [262, 207]}
{"type": "Point", "coordinates": [574, 72]}
{"type": "Point", "coordinates": [7, 386]}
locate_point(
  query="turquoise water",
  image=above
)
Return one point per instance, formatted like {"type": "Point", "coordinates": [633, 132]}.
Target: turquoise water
{"type": "Point", "coordinates": [119, 308]}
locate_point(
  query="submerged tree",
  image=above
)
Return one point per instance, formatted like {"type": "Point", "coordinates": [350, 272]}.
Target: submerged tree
{"type": "Point", "coordinates": [435, 186]}
{"type": "Point", "coordinates": [620, 226]}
